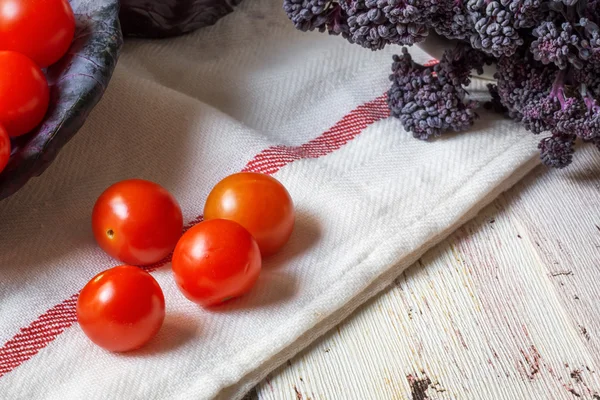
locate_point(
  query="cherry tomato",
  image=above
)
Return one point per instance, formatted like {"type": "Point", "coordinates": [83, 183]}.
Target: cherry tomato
{"type": "Point", "coordinates": [215, 261]}
{"type": "Point", "coordinates": [121, 309]}
{"type": "Point", "coordinates": [137, 222]}
{"type": "Point", "coordinates": [24, 93]}
{"type": "Point", "coordinates": [4, 148]}
{"type": "Point", "coordinates": [259, 203]}
{"type": "Point", "coordinates": [41, 29]}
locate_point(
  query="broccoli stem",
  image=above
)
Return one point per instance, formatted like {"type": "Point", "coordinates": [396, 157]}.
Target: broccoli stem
{"type": "Point", "coordinates": [558, 88]}
{"type": "Point", "coordinates": [590, 102]}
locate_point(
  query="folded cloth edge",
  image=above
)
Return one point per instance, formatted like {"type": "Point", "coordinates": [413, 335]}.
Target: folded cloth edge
{"type": "Point", "coordinates": [235, 387]}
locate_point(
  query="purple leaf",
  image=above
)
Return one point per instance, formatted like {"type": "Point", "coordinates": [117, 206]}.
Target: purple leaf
{"type": "Point", "coordinates": [164, 18]}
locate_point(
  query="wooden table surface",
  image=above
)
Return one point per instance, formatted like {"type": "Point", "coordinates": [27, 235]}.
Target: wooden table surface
{"type": "Point", "coordinates": [505, 308]}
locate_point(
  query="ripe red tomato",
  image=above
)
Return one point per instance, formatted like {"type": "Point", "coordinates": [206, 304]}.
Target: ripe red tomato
{"type": "Point", "coordinates": [121, 309]}
{"type": "Point", "coordinates": [24, 93]}
{"type": "Point", "coordinates": [259, 203]}
{"type": "Point", "coordinates": [137, 222]}
{"type": "Point", "coordinates": [41, 29]}
{"type": "Point", "coordinates": [215, 261]}
{"type": "Point", "coordinates": [4, 148]}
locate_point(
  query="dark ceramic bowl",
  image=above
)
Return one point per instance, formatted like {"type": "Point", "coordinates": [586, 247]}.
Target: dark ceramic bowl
{"type": "Point", "coordinates": [77, 82]}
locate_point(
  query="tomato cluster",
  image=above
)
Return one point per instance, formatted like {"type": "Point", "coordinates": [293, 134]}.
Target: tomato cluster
{"type": "Point", "coordinates": [247, 216]}
{"type": "Point", "coordinates": [34, 34]}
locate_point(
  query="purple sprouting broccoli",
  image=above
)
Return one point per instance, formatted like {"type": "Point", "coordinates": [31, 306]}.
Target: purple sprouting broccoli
{"type": "Point", "coordinates": [370, 23]}
{"type": "Point", "coordinates": [557, 150]}
{"type": "Point", "coordinates": [555, 45]}
{"type": "Point", "coordinates": [491, 26]}
{"type": "Point", "coordinates": [568, 34]}
{"type": "Point", "coordinates": [308, 15]}
{"type": "Point", "coordinates": [375, 23]}
{"type": "Point", "coordinates": [589, 74]}
{"type": "Point", "coordinates": [549, 99]}
{"type": "Point", "coordinates": [321, 15]}
{"type": "Point", "coordinates": [557, 32]}
{"type": "Point", "coordinates": [493, 31]}
{"type": "Point", "coordinates": [431, 100]}
{"type": "Point", "coordinates": [453, 21]}
{"type": "Point", "coordinates": [547, 53]}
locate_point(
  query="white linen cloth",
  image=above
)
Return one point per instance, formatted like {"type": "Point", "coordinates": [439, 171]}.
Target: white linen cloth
{"type": "Point", "coordinates": [186, 112]}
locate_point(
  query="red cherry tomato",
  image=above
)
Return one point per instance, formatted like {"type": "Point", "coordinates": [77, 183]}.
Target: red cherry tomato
{"type": "Point", "coordinates": [215, 261]}
{"type": "Point", "coordinates": [4, 148]}
{"type": "Point", "coordinates": [41, 29]}
{"type": "Point", "coordinates": [137, 222]}
{"type": "Point", "coordinates": [24, 93]}
{"type": "Point", "coordinates": [259, 203]}
{"type": "Point", "coordinates": [121, 309]}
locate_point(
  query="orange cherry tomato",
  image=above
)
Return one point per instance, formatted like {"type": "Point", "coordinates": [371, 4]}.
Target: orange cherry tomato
{"type": "Point", "coordinates": [259, 203]}
{"type": "Point", "coordinates": [121, 309]}
{"type": "Point", "coordinates": [215, 261]}
{"type": "Point", "coordinates": [4, 148]}
{"type": "Point", "coordinates": [24, 93]}
{"type": "Point", "coordinates": [41, 29]}
{"type": "Point", "coordinates": [137, 222]}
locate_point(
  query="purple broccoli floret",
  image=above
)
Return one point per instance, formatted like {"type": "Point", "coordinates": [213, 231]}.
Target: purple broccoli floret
{"type": "Point", "coordinates": [494, 30]}
{"type": "Point", "coordinates": [370, 23]}
{"type": "Point", "coordinates": [375, 23]}
{"type": "Point", "coordinates": [547, 98]}
{"type": "Point", "coordinates": [453, 21]}
{"type": "Point", "coordinates": [431, 100]}
{"type": "Point", "coordinates": [308, 15]}
{"type": "Point", "coordinates": [555, 45]}
{"type": "Point", "coordinates": [557, 151]}
{"type": "Point", "coordinates": [321, 15]}
{"type": "Point", "coordinates": [568, 34]}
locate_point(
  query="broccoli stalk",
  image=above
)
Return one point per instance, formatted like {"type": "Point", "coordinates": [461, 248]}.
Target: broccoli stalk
{"type": "Point", "coordinates": [590, 102]}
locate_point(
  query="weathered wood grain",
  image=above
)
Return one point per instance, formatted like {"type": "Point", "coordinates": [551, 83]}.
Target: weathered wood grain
{"type": "Point", "coordinates": [506, 308]}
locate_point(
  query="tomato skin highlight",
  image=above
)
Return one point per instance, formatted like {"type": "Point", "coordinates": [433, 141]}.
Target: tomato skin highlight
{"type": "Point", "coordinates": [121, 309]}
{"type": "Point", "coordinates": [24, 93]}
{"type": "Point", "coordinates": [40, 29]}
{"type": "Point", "coordinates": [137, 222]}
{"type": "Point", "coordinates": [215, 261]}
{"type": "Point", "coordinates": [4, 148]}
{"type": "Point", "coordinates": [259, 203]}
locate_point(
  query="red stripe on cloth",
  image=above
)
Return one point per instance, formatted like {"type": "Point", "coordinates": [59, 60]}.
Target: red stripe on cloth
{"type": "Point", "coordinates": [37, 335]}
{"type": "Point", "coordinates": [272, 159]}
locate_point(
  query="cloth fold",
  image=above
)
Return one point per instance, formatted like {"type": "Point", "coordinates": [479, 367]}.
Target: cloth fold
{"type": "Point", "coordinates": [250, 93]}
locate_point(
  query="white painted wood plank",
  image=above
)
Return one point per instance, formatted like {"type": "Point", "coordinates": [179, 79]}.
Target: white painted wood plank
{"type": "Point", "coordinates": [484, 315]}
{"type": "Point", "coordinates": [561, 212]}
